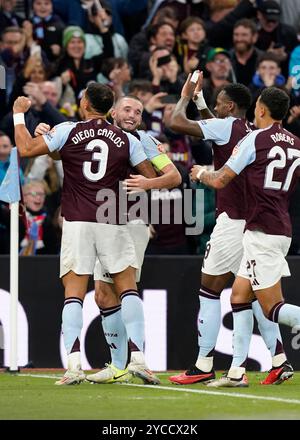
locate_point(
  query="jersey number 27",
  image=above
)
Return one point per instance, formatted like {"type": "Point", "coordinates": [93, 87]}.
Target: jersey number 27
{"type": "Point", "coordinates": [280, 163]}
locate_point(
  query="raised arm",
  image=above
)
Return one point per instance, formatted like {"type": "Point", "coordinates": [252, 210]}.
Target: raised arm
{"type": "Point", "coordinates": [179, 122]}
{"type": "Point", "coordinates": [27, 146]}
{"type": "Point", "coordinates": [199, 100]}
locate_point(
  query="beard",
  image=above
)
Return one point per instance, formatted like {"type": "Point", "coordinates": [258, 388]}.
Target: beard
{"type": "Point", "coordinates": [243, 47]}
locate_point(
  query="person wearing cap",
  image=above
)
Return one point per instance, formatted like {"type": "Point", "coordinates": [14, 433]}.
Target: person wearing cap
{"type": "Point", "coordinates": [73, 68]}
{"type": "Point", "coordinates": [219, 67]}
{"type": "Point", "coordinates": [275, 36]}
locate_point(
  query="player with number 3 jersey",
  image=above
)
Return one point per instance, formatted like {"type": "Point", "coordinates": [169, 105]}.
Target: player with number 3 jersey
{"type": "Point", "coordinates": [95, 157]}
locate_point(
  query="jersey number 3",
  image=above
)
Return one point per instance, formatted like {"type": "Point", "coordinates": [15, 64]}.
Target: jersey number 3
{"type": "Point", "coordinates": [98, 156]}
{"type": "Point", "coordinates": [280, 163]}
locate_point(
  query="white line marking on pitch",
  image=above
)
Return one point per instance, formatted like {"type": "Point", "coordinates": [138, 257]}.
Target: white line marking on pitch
{"type": "Point", "coordinates": [189, 390]}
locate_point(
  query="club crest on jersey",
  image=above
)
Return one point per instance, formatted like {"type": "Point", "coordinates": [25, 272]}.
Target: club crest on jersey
{"type": "Point", "coordinates": [235, 151]}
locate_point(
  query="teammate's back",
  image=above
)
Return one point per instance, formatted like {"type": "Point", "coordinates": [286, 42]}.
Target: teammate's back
{"type": "Point", "coordinates": [271, 179]}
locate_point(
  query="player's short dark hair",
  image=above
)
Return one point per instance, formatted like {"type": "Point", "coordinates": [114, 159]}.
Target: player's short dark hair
{"type": "Point", "coordinates": [239, 94]}
{"type": "Point", "coordinates": [100, 96]}
{"type": "Point", "coordinates": [277, 102]}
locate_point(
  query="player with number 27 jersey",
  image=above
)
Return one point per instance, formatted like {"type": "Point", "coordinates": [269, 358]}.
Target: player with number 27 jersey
{"type": "Point", "coordinates": [274, 158]}
{"type": "Point", "coordinates": [271, 179]}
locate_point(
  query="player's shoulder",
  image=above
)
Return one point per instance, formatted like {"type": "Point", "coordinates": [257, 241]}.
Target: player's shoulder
{"type": "Point", "coordinates": [292, 137]}
{"type": "Point", "coordinates": [146, 136]}
{"type": "Point", "coordinates": [131, 137]}
{"type": "Point", "coordinates": [66, 125]}
{"type": "Point", "coordinates": [252, 135]}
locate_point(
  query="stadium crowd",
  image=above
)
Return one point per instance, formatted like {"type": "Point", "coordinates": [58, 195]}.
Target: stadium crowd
{"type": "Point", "coordinates": [52, 49]}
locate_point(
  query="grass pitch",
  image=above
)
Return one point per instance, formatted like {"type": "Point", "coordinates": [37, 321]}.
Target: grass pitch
{"type": "Point", "coordinates": [33, 396]}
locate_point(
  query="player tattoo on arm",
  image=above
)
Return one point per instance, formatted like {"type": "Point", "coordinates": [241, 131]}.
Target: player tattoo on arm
{"type": "Point", "coordinates": [215, 179]}
{"type": "Point", "coordinates": [218, 179]}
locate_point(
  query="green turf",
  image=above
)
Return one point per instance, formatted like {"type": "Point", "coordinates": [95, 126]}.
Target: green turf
{"type": "Point", "coordinates": [25, 397]}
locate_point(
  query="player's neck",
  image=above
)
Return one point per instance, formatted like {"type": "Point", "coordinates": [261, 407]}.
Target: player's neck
{"type": "Point", "coordinates": [239, 114]}
{"type": "Point", "coordinates": [93, 115]}
{"type": "Point", "coordinates": [267, 122]}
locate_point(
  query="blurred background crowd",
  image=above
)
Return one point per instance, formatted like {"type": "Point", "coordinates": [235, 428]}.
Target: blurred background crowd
{"type": "Point", "coordinates": [51, 50]}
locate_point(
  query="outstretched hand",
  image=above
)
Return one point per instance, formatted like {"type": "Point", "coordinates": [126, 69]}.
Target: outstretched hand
{"type": "Point", "coordinates": [189, 87]}
{"type": "Point", "coordinates": [199, 86]}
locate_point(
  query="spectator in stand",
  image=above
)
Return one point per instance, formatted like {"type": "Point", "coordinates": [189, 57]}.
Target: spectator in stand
{"type": "Point", "coordinates": [47, 28]}
{"type": "Point", "coordinates": [182, 8]}
{"type": "Point", "coordinates": [5, 149]}
{"type": "Point", "coordinates": [116, 74]}
{"type": "Point", "coordinates": [274, 36]}
{"type": "Point", "coordinates": [268, 74]}
{"type": "Point", "coordinates": [223, 16]}
{"type": "Point", "coordinates": [34, 71]}
{"type": "Point", "coordinates": [220, 73]}
{"type": "Point", "coordinates": [128, 16]}
{"type": "Point", "coordinates": [290, 12]}
{"type": "Point", "coordinates": [153, 105]}
{"type": "Point", "coordinates": [294, 74]}
{"type": "Point", "coordinates": [179, 151]}
{"type": "Point", "coordinates": [139, 42]}
{"type": "Point", "coordinates": [7, 15]}
{"type": "Point", "coordinates": [100, 21]}
{"type": "Point", "coordinates": [39, 237]}
{"type": "Point", "coordinates": [193, 45]}
{"type": "Point", "coordinates": [70, 11]}
{"type": "Point", "coordinates": [244, 54]}
{"type": "Point", "coordinates": [13, 54]}
{"type": "Point", "coordinates": [160, 35]}
{"type": "Point", "coordinates": [40, 111]}
{"type": "Point", "coordinates": [72, 67]}
{"type": "Point", "coordinates": [165, 71]}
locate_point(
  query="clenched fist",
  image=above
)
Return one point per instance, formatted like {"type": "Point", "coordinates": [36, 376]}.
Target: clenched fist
{"type": "Point", "coordinates": [21, 104]}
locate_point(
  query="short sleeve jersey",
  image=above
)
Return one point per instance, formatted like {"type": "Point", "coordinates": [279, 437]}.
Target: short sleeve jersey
{"type": "Point", "coordinates": [95, 156]}
{"type": "Point", "coordinates": [225, 135]}
{"type": "Point", "coordinates": [270, 159]}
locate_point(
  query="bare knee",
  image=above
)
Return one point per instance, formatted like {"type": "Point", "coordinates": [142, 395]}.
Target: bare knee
{"type": "Point", "coordinates": [104, 295]}
{"type": "Point", "coordinates": [241, 291]}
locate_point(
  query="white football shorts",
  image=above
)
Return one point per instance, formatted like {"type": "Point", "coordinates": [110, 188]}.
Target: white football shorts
{"type": "Point", "coordinates": [224, 250]}
{"type": "Point", "coordinates": [83, 243]}
{"type": "Point", "coordinates": [139, 233]}
{"type": "Point", "coordinates": [263, 261]}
